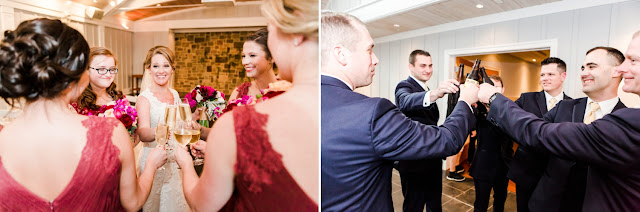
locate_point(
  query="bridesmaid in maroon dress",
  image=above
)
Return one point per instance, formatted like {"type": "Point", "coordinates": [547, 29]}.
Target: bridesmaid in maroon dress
{"type": "Point", "coordinates": [51, 158]}
{"type": "Point", "coordinates": [258, 64]}
{"type": "Point", "coordinates": [264, 157]}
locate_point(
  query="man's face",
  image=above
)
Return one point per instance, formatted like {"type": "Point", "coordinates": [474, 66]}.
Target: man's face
{"type": "Point", "coordinates": [422, 69]}
{"type": "Point", "coordinates": [551, 77]}
{"type": "Point", "coordinates": [362, 59]}
{"type": "Point", "coordinates": [598, 72]}
{"type": "Point", "coordinates": [630, 68]}
{"type": "Point", "coordinates": [497, 84]}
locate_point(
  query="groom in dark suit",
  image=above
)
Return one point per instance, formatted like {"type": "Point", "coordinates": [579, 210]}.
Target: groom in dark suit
{"type": "Point", "coordinates": [562, 186]}
{"type": "Point", "coordinates": [421, 179]}
{"type": "Point", "coordinates": [609, 145]}
{"type": "Point", "coordinates": [362, 136]}
{"type": "Point", "coordinates": [527, 165]}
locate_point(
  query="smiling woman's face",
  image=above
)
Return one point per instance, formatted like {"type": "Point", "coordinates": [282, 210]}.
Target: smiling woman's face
{"type": "Point", "coordinates": [160, 69]}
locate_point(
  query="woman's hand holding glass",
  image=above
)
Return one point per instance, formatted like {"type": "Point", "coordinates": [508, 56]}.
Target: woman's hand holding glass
{"type": "Point", "coordinates": [198, 148]}
{"type": "Point", "coordinates": [183, 158]}
{"type": "Point", "coordinates": [157, 157]}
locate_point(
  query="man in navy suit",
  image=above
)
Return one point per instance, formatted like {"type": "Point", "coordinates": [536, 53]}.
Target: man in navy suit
{"type": "Point", "coordinates": [527, 165]}
{"type": "Point", "coordinates": [421, 179]}
{"type": "Point", "coordinates": [609, 146]}
{"type": "Point", "coordinates": [489, 167]}
{"type": "Point", "coordinates": [562, 186]}
{"type": "Point", "coordinates": [362, 136]}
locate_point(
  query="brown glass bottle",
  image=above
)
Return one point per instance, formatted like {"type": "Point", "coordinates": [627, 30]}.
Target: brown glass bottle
{"type": "Point", "coordinates": [474, 76]}
{"type": "Point", "coordinates": [485, 77]}
{"type": "Point", "coordinates": [452, 98]}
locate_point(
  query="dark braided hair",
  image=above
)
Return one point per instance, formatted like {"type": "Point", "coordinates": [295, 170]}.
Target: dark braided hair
{"type": "Point", "coordinates": [40, 59]}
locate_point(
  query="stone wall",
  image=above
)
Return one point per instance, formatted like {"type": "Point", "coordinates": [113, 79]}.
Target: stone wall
{"type": "Point", "coordinates": [211, 59]}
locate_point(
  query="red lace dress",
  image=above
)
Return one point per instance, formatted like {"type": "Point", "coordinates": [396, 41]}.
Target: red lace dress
{"type": "Point", "coordinates": [93, 187]}
{"type": "Point", "coordinates": [243, 89]}
{"type": "Point", "coordinates": [262, 183]}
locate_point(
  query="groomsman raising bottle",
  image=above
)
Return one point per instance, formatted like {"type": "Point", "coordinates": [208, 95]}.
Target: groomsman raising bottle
{"type": "Point", "coordinates": [562, 186]}
{"type": "Point", "coordinates": [609, 145]}
{"type": "Point", "coordinates": [362, 136]}
{"type": "Point", "coordinates": [421, 179]}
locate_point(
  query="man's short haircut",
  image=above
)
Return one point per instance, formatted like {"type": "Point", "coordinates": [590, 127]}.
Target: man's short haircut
{"type": "Point", "coordinates": [615, 54]}
{"type": "Point", "coordinates": [554, 60]}
{"type": "Point", "coordinates": [338, 29]}
{"type": "Point", "coordinates": [414, 53]}
{"type": "Point", "coordinates": [497, 78]}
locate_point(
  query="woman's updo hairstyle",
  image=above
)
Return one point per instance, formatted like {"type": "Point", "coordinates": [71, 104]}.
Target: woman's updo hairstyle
{"type": "Point", "coordinates": [40, 59]}
{"type": "Point", "coordinates": [260, 37]}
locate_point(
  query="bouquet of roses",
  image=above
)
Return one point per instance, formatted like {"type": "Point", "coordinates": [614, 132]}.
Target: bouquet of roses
{"type": "Point", "coordinates": [211, 99]}
{"type": "Point", "coordinates": [274, 89]}
{"type": "Point", "coordinates": [124, 112]}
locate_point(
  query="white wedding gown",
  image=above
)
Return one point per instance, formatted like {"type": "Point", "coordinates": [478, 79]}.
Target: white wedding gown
{"type": "Point", "coordinates": [166, 192]}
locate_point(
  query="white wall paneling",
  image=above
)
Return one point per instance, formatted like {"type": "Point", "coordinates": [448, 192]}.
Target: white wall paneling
{"type": "Point", "coordinates": [121, 45]}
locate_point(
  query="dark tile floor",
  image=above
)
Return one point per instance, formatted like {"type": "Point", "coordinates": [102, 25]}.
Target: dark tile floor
{"type": "Point", "coordinates": [456, 196]}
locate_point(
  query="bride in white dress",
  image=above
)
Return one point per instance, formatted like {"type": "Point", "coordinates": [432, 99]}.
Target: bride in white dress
{"type": "Point", "coordinates": [166, 192]}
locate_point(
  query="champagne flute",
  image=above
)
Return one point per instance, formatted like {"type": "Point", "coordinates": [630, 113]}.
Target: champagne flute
{"type": "Point", "coordinates": [162, 135]}
{"type": "Point", "coordinates": [185, 112]}
{"type": "Point", "coordinates": [184, 132]}
{"type": "Point", "coordinates": [170, 115]}
{"type": "Point", "coordinates": [194, 138]}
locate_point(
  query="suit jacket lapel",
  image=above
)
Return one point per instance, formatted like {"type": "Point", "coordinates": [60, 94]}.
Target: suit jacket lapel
{"type": "Point", "coordinates": [578, 110]}
{"type": "Point", "coordinates": [542, 103]}
{"type": "Point", "coordinates": [416, 86]}
{"type": "Point", "coordinates": [618, 106]}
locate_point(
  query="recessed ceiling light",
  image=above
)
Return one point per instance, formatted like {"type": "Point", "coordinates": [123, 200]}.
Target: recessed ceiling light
{"type": "Point", "coordinates": [396, 25]}
{"type": "Point", "coordinates": [534, 60]}
{"type": "Point", "coordinates": [95, 1]}
{"type": "Point", "coordinates": [112, 3]}
{"type": "Point", "coordinates": [479, 6]}
{"type": "Point", "coordinates": [157, 5]}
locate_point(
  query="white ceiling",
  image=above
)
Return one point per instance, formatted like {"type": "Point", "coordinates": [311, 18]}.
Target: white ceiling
{"type": "Point", "coordinates": [380, 16]}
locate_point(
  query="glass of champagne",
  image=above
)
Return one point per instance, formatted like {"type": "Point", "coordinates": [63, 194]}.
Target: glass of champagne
{"type": "Point", "coordinates": [195, 136]}
{"type": "Point", "coordinates": [184, 132]}
{"type": "Point", "coordinates": [185, 112]}
{"type": "Point", "coordinates": [170, 116]}
{"type": "Point", "coordinates": [162, 135]}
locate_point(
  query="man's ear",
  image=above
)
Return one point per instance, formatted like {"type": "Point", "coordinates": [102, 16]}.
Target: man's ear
{"type": "Point", "coordinates": [341, 54]}
{"type": "Point", "coordinates": [615, 73]}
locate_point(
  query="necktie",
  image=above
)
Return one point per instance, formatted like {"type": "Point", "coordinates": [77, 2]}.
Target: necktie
{"type": "Point", "coordinates": [592, 113]}
{"type": "Point", "coordinates": [552, 103]}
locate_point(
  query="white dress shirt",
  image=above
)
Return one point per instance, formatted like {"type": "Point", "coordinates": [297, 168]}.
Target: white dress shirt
{"type": "Point", "coordinates": [548, 98]}
{"type": "Point", "coordinates": [605, 107]}
{"type": "Point", "coordinates": [427, 96]}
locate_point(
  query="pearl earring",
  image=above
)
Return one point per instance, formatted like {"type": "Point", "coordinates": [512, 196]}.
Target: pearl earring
{"type": "Point", "coordinates": [296, 42]}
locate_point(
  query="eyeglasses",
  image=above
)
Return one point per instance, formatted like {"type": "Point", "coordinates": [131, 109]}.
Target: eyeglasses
{"type": "Point", "coordinates": [104, 71]}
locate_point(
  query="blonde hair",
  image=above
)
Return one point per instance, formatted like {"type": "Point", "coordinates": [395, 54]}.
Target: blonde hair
{"type": "Point", "coordinates": [147, 79]}
{"type": "Point", "coordinates": [293, 16]}
{"type": "Point", "coordinates": [338, 29]}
